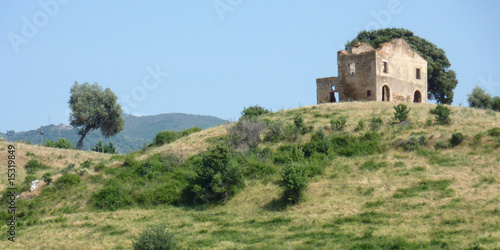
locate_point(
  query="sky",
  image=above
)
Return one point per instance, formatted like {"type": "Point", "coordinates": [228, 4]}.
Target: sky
{"type": "Point", "coordinates": [215, 57]}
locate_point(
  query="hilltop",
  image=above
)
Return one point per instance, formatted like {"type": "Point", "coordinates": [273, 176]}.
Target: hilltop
{"type": "Point", "coordinates": [138, 131]}
{"type": "Point", "coordinates": [378, 185]}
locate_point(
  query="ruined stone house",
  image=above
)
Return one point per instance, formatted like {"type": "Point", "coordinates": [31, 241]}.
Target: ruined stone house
{"type": "Point", "coordinates": [392, 73]}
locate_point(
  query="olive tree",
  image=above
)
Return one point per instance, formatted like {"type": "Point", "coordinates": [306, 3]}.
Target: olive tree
{"type": "Point", "coordinates": [93, 108]}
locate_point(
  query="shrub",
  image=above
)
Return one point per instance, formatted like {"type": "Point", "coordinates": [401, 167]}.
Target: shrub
{"type": "Point", "coordinates": [413, 143]}
{"type": "Point", "coordinates": [479, 98]}
{"type": "Point", "coordinates": [164, 137]}
{"type": "Point", "coordinates": [99, 167]}
{"type": "Point", "coordinates": [294, 182]}
{"type": "Point", "coordinates": [64, 143]}
{"type": "Point", "coordinates": [442, 114]}
{"type": "Point", "coordinates": [83, 172]}
{"type": "Point", "coordinates": [47, 177]}
{"type": "Point", "coordinates": [494, 132]}
{"type": "Point", "coordinates": [456, 139]}
{"type": "Point", "coordinates": [253, 112]}
{"type": "Point", "coordinates": [338, 124]}
{"type": "Point", "coordinates": [107, 149]}
{"type": "Point", "coordinates": [375, 123]}
{"type": "Point", "coordinates": [87, 164]}
{"type": "Point", "coordinates": [275, 132]}
{"type": "Point", "coordinates": [442, 144]}
{"type": "Point", "coordinates": [112, 197]}
{"type": "Point", "coordinates": [495, 103]}
{"type": "Point", "coordinates": [300, 126]}
{"type": "Point", "coordinates": [428, 122]}
{"type": "Point", "coordinates": [67, 180]}
{"type": "Point", "coordinates": [34, 165]}
{"type": "Point", "coordinates": [289, 154]}
{"type": "Point", "coordinates": [318, 143]}
{"type": "Point", "coordinates": [476, 140]}
{"type": "Point", "coordinates": [218, 177]}
{"type": "Point", "coordinates": [27, 181]}
{"type": "Point", "coordinates": [401, 112]}
{"type": "Point", "coordinates": [49, 143]}
{"type": "Point", "coordinates": [130, 161]}
{"type": "Point", "coordinates": [189, 131]}
{"type": "Point", "coordinates": [246, 132]}
{"type": "Point", "coordinates": [347, 145]}
{"type": "Point", "coordinates": [361, 126]}
{"type": "Point", "coordinates": [155, 237]}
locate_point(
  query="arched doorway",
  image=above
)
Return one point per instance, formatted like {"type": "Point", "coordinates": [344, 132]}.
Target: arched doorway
{"type": "Point", "coordinates": [417, 97]}
{"type": "Point", "coordinates": [386, 94]}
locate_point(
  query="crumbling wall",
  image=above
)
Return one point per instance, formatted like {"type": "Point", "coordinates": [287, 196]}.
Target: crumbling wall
{"type": "Point", "coordinates": [359, 85]}
{"type": "Point", "coordinates": [324, 88]}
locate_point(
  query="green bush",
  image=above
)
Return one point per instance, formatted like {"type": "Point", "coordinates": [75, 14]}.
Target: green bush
{"type": "Point", "coordinates": [360, 127]}
{"type": "Point", "coordinates": [253, 112]}
{"type": "Point", "coordinates": [351, 146]}
{"type": "Point", "coordinates": [99, 167]}
{"type": "Point", "coordinates": [495, 103]}
{"type": "Point", "coordinates": [189, 131]}
{"type": "Point", "coordinates": [49, 143]}
{"type": "Point", "coordinates": [275, 132]}
{"type": "Point", "coordinates": [130, 161]}
{"type": "Point", "coordinates": [401, 112]}
{"type": "Point", "coordinates": [476, 140]}
{"type": "Point", "coordinates": [87, 164]}
{"type": "Point", "coordinates": [300, 126]}
{"type": "Point", "coordinates": [494, 132]}
{"type": "Point", "coordinates": [112, 197]}
{"type": "Point", "coordinates": [339, 123]}
{"type": "Point", "coordinates": [64, 143]}
{"type": "Point", "coordinates": [294, 182]}
{"type": "Point", "coordinates": [456, 139]}
{"type": "Point", "coordinates": [47, 177]}
{"type": "Point", "coordinates": [442, 114]}
{"type": "Point", "coordinates": [218, 177]}
{"type": "Point", "coordinates": [165, 137]}
{"type": "Point", "coordinates": [288, 154]}
{"type": "Point", "coordinates": [67, 180]}
{"type": "Point", "coordinates": [319, 143]}
{"type": "Point", "coordinates": [442, 144]}
{"type": "Point", "coordinates": [27, 182]}
{"type": "Point", "coordinates": [155, 237]}
{"type": "Point", "coordinates": [414, 142]}
{"type": "Point", "coordinates": [107, 149]}
{"type": "Point", "coordinates": [32, 166]}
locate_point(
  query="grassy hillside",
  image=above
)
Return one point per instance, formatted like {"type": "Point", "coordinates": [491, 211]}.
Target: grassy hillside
{"type": "Point", "coordinates": [374, 189]}
{"type": "Point", "coordinates": [138, 131]}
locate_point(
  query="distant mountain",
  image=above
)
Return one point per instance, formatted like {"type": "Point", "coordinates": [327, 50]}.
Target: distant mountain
{"type": "Point", "coordinates": [138, 131]}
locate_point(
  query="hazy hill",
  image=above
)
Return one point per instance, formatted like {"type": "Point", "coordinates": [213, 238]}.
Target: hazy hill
{"type": "Point", "coordinates": [397, 186]}
{"type": "Point", "coordinates": [139, 130]}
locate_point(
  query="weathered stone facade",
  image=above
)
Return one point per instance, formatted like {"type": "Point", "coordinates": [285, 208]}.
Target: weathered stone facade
{"type": "Point", "coordinates": [393, 72]}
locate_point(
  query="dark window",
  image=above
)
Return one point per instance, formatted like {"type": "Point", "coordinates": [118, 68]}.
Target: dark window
{"type": "Point", "coordinates": [418, 73]}
{"type": "Point", "coordinates": [369, 93]}
{"type": "Point", "coordinates": [384, 67]}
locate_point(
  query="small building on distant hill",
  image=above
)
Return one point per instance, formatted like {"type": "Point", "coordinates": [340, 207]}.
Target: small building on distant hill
{"type": "Point", "coordinates": [392, 73]}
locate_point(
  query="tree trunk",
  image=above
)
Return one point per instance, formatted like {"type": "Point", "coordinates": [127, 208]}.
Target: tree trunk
{"type": "Point", "coordinates": [79, 145]}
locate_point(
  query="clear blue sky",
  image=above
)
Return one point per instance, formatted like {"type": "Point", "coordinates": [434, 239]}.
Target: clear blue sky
{"type": "Point", "coordinates": [221, 55]}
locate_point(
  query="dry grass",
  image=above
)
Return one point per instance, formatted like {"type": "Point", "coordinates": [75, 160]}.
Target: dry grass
{"type": "Point", "coordinates": [342, 205]}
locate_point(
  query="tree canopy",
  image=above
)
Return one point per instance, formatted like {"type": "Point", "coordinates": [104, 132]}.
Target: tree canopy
{"type": "Point", "coordinates": [479, 98]}
{"type": "Point", "coordinates": [441, 81]}
{"type": "Point", "coordinates": [94, 108]}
